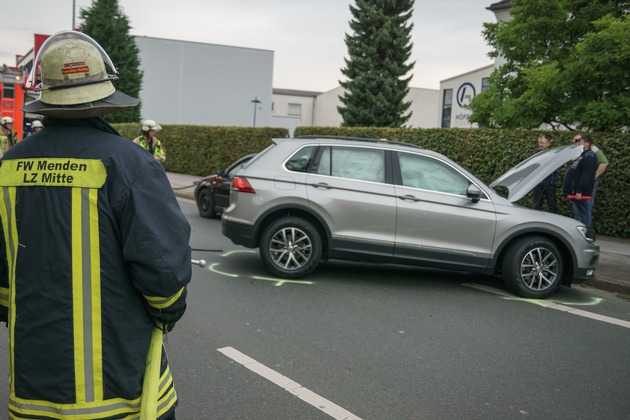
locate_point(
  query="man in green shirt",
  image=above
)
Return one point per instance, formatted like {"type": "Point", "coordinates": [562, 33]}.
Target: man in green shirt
{"type": "Point", "coordinates": [602, 165]}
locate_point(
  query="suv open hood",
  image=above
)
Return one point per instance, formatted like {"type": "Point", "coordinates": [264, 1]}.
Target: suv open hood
{"type": "Point", "coordinates": [523, 177]}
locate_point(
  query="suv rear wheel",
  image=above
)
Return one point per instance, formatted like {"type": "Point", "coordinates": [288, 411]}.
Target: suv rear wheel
{"type": "Point", "coordinates": [533, 267]}
{"type": "Point", "coordinates": [291, 247]}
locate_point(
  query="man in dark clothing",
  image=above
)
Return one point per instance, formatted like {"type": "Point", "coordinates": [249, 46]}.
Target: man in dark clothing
{"type": "Point", "coordinates": [579, 181]}
{"type": "Point", "coordinates": [546, 190]}
{"type": "Point", "coordinates": [94, 260]}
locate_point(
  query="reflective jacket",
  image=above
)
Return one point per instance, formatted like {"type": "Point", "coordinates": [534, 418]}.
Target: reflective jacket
{"type": "Point", "coordinates": [96, 252]}
{"type": "Point", "coordinates": [155, 149]}
{"type": "Point", "coordinates": [7, 140]}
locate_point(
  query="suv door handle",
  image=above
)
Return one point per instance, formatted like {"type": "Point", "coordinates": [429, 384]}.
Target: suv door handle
{"type": "Point", "coordinates": [322, 185]}
{"type": "Point", "coordinates": [408, 197]}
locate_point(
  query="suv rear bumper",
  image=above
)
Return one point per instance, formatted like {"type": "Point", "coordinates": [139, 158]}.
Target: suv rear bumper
{"type": "Point", "coordinates": [239, 233]}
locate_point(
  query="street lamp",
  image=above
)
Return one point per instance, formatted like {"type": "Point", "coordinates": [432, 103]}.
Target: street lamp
{"type": "Point", "coordinates": [255, 101]}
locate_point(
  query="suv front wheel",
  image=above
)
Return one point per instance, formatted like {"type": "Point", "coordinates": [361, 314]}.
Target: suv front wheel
{"type": "Point", "coordinates": [291, 247]}
{"type": "Point", "coordinates": [533, 268]}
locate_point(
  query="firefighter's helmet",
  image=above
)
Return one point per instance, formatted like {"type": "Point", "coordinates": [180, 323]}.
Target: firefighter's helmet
{"type": "Point", "coordinates": [37, 124]}
{"type": "Point", "coordinates": [6, 120]}
{"type": "Point", "coordinates": [74, 80]}
{"type": "Point", "coordinates": [147, 125]}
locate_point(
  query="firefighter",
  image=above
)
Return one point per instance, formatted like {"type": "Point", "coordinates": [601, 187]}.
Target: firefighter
{"type": "Point", "coordinates": [37, 126]}
{"type": "Point", "coordinates": [8, 137]}
{"type": "Point", "coordinates": [149, 141]}
{"type": "Point", "coordinates": [95, 261]}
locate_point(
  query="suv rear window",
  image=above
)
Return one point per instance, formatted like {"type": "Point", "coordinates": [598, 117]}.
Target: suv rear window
{"type": "Point", "coordinates": [301, 161]}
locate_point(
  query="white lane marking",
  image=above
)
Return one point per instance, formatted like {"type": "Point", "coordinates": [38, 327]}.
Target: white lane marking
{"type": "Point", "coordinates": [552, 305]}
{"type": "Point", "coordinates": [328, 407]}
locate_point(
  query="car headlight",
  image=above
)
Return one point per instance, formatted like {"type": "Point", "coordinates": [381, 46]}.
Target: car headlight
{"type": "Point", "coordinates": [587, 233]}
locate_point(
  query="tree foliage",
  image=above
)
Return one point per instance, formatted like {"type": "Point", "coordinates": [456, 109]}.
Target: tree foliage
{"type": "Point", "coordinates": [105, 22]}
{"type": "Point", "coordinates": [376, 67]}
{"type": "Point", "coordinates": [567, 64]}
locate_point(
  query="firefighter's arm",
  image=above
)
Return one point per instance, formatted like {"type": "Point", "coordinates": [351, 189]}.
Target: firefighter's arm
{"type": "Point", "coordinates": [4, 283]}
{"type": "Point", "coordinates": [161, 156]}
{"type": "Point", "coordinates": [156, 236]}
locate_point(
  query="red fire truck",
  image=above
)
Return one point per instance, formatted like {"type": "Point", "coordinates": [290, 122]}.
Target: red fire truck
{"type": "Point", "coordinates": [13, 94]}
{"type": "Point", "coordinates": [12, 97]}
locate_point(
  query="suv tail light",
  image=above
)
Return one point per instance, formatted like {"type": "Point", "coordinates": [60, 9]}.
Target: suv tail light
{"type": "Point", "coordinates": [241, 184]}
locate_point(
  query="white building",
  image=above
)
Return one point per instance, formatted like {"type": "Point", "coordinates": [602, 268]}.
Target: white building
{"type": "Point", "coordinates": [424, 108]}
{"type": "Point", "coordinates": [459, 91]}
{"type": "Point", "coordinates": [293, 108]}
{"type": "Point", "coordinates": [205, 84]}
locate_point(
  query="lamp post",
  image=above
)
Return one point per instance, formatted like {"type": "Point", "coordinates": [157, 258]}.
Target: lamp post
{"type": "Point", "coordinates": [255, 101]}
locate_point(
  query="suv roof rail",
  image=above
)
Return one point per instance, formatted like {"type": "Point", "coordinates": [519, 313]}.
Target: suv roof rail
{"type": "Point", "coordinates": [363, 139]}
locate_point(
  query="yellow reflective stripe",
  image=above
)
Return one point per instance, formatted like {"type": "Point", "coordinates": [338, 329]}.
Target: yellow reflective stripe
{"type": "Point", "coordinates": [150, 383]}
{"type": "Point", "coordinates": [77, 297]}
{"type": "Point", "coordinates": [158, 391]}
{"type": "Point", "coordinates": [76, 411]}
{"type": "Point", "coordinates": [86, 284]}
{"type": "Point", "coordinates": [167, 393]}
{"type": "Point", "coordinates": [7, 215]}
{"type": "Point", "coordinates": [53, 172]}
{"type": "Point", "coordinates": [167, 401]}
{"type": "Point", "coordinates": [4, 296]}
{"type": "Point", "coordinates": [95, 279]}
{"type": "Point", "coordinates": [96, 410]}
{"type": "Point", "coordinates": [159, 302]}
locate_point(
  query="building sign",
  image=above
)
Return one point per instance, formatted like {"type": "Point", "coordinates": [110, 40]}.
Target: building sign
{"type": "Point", "coordinates": [465, 94]}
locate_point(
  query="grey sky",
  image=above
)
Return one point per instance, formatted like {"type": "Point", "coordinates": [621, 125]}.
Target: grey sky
{"type": "Point", "coordinates": [307, 36]}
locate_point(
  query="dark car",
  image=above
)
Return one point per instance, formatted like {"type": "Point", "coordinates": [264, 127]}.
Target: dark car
{"type": "Point", "coordinates": [212, 193]}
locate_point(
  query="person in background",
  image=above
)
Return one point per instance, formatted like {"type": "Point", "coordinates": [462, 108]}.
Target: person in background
{"type": "Point", "coordinates": [149, 141]}
{"type": "Point", "coordinates": [546, 190]}
{"type": "Point", "coordinates": [37, 126]}
{"type": "Point", "coordinates": [579, 181]}
{"type": "Point", "coordinates": [602, 165]}
{"type": "Point", "coordinates": [8, 137]}
{"type": "Point", "coordinates": [96, 264]}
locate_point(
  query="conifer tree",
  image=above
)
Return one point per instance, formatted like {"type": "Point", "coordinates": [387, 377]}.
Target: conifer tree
{"type": "Point", "coordinates": [105, 22]}
{"type": "Point", "coordinates": [376, 67]}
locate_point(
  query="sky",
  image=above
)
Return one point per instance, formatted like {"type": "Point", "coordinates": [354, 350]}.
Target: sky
{"type": "Point", "coordinates": [307, 36]}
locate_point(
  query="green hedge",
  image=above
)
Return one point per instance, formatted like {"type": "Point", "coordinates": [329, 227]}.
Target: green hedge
{"type": "Point", "coordinates": [202, 150]}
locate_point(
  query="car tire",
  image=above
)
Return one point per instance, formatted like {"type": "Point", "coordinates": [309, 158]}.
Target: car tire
{"type": "Point", "coordinates": [205, 204]}
{"type": "Point", "coordinates": [533, 267]}
{"type": "Point", "coordinates": [291, 247]}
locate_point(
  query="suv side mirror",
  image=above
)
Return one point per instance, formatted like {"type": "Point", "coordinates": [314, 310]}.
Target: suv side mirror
{"type": "Point", "coordinates": [474, 193]}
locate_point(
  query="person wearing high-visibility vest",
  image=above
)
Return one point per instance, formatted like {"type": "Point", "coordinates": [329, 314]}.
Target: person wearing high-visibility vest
{"type": "Point", "coordinates": [8, 136]}
{"type": "Point", "coordinates": [95, 264]}
{"type": "Point", "coordinates": [149, 140]}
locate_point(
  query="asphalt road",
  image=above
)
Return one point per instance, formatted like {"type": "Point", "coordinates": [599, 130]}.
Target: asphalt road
{"type": "Point", "coordinates": [386, 342]}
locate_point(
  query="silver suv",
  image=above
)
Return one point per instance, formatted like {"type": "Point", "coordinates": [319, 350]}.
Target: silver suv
{"type": "Point", "coordinates": [304, 200]}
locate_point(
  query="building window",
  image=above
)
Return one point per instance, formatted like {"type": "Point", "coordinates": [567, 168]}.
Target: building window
{"type": "Point", "coordinates": [295, 109]}
{"type": "Point", "coordinates": [485, 83]}
{"type": "Point", "coordinates": [447, 108]}
{"type": "Point", "coordinates": [8, 91]}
